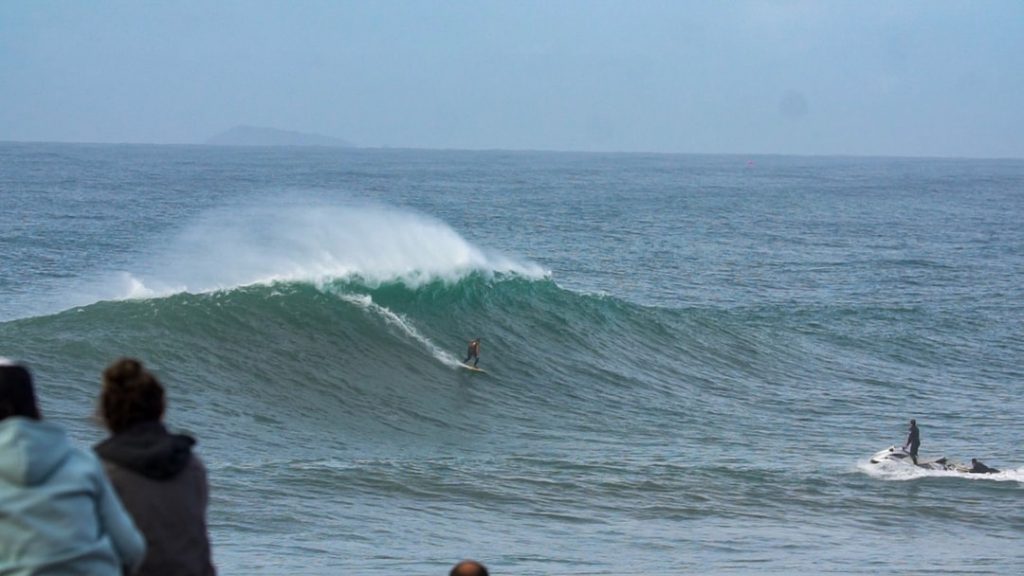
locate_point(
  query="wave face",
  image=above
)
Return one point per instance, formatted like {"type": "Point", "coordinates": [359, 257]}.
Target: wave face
{"type": "Point", "coordinates": [688, 360]}
{"type": "Point", "coordinates": [377, 361]}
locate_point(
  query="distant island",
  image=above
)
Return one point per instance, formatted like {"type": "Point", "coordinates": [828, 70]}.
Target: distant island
{"type": "Point", "coordinates": [258, 136]}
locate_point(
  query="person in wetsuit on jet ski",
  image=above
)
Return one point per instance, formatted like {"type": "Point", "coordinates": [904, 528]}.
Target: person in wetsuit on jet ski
{"type": "Point", "coordinates": [913, 440]}
{"type": "Point", "coordinates": [977, 467]}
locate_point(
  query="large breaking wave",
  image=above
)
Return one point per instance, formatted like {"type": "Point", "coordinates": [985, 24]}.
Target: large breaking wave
{"type": "Point", "coordinates": [242, 246]}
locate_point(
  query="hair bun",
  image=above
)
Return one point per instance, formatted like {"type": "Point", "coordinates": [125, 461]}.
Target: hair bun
{"type": "Point", "coordinates": [131, 394]}
{"type": "Point", "coordinates": [123, 372]}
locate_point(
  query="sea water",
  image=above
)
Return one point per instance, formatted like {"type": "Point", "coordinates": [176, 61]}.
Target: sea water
{"type": "Point", "coordinates": [690, 358]}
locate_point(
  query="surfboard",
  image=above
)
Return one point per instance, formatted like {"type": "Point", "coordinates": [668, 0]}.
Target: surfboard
{"type": "Point", "coordinates": [473, 368]}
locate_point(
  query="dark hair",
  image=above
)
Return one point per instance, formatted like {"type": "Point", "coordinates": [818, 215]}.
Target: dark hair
{"type": "Point", "coordinates": [131, 395]}
{"type": "Point", "coordinates": [17, 396]}
{"type": "Point", "coordinates": [468, 568]}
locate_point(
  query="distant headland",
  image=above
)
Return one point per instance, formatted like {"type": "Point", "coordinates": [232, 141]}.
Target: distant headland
{"type": "Point", "coordinates": [259, 136]}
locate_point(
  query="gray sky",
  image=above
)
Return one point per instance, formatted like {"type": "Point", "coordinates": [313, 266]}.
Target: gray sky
{"type": "Point", "coordinates": [930, 78]}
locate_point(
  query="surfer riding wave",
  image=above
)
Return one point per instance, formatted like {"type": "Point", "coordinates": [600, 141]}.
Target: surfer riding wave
{"type": "Point", "coordinates": [473, 352]}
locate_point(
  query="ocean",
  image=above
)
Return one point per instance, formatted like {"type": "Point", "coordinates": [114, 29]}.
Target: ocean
{"type": "Point", "coordinates": [689, 358]}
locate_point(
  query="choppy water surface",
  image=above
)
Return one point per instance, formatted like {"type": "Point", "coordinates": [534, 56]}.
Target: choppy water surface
{"type": "Point", "coordinates": [690, 359]}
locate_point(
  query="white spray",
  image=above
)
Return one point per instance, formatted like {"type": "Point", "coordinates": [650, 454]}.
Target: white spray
{"type": "Point", "coordinates": [242, 246]}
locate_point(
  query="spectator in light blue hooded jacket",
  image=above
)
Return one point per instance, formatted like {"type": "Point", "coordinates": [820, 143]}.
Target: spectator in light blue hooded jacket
{"type": "Point", "coordinates": [58, 512]}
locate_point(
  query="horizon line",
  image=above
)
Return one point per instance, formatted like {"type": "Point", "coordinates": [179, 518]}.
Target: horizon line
{"type": "Point", "coordinates": [518, 150]}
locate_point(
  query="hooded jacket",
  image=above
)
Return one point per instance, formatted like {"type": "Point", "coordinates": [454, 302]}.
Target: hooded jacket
{"type": "Point", "coordinates": [58, 512]}
{"type": "Point", "coordinates": [163, 484]}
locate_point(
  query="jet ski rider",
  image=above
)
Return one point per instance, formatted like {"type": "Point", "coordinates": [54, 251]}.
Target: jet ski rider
{"type": "Point", "coordinates": [913, 440]}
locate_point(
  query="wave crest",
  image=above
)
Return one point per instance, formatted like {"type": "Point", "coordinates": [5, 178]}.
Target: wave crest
{"type": "Point", "coordinates": [230, 248]}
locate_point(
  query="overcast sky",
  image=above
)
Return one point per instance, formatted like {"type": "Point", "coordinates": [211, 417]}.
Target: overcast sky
{"type": "Point", "coordinates": [929, 78]}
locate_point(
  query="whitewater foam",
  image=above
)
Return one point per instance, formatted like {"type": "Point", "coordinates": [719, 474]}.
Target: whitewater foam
{"type": "Point", "coordinates": [900, 471]}
{"type": "Point", "coordinates": [398, 321]}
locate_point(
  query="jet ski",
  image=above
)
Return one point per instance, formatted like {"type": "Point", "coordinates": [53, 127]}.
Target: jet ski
{"type": "Point", "coordinates": [900, 454]}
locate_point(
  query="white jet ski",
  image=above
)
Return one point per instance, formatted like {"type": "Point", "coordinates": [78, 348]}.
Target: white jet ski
{"type": "Point", "coordinates": [899, 454]}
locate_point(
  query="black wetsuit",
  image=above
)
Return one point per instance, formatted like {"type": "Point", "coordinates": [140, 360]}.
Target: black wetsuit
{"type": "Point", "coordinates": [914, 439]}
{"type": "Point", "coordinates": [979, 468]}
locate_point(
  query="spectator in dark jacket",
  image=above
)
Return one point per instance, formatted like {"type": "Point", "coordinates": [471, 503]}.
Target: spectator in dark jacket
{"type": "Point", "coordinates": [160, 480]}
